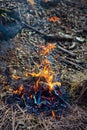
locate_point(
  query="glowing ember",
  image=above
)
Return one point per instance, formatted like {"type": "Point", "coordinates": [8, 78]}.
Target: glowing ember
{"type": "Point", "coordinates": [17, 91]}
{"type": "Point", "coordinates": [53, 19]}
{"type": "Point", "coordinates": [53, 114]}
{"type": "Point", "coordinates": [21, 88]}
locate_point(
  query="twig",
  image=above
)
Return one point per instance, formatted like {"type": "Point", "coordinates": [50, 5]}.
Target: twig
{"type": "Point", "coordinates": [66, 51]}
{"type": "Point", "coordinates": [81, 94]}
{"type": "Point", "coordinates": [72, 46]}
{"type": "Point", "coordinates": [13, 119]}
{"type": "Point", "coordinates": [65, 102]}
{"type": "Point", "coordinates": [53, 37]}
{"type": "Point", "coordinates": [4, 118]}
{"type": "Point", "coordinates": [32, 127]}
{"type": "Point", "coordinates": [70, 63]}
{"type": "Point", "coordinates": [48, 37]}
{"type": "Point", "coordinates": [3, 107]}
{"type": "Point", "coordinates": [44, 124]}
{"type": "Point", "coordinates": [77, 61]}
{"type": "Point", "coordinates": [20, 109]}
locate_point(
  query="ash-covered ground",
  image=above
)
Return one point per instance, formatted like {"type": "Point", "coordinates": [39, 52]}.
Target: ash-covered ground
{"type": "Point", "coordinates": [28, 25]}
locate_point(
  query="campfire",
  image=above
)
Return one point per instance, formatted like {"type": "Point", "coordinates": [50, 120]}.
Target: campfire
{"type": "Point", "coordinates": [39, 92]}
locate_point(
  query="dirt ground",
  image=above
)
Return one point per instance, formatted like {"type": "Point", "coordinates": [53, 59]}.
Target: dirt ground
{"type": "Point", "coordinates": [17, 52]}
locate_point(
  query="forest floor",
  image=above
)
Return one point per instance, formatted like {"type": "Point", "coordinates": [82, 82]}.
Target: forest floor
{"type": "Point", "coordinates": [67, 20]}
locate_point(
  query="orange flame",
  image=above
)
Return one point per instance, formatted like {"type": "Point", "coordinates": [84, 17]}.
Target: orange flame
{"type": "Point", "coordinates": [46, 49]}
{"type": "Point", "coordinates": [53, 19]}
{"type": "Point", "coordinates": [18, 91]}
{"type": "Point", "coordinates": [21, 88]}
{"type": "Point", "coordinates": [46, 71]}
{"type": "Point", "coordinates": [48, 75]}
{"type": "Point", "coordinates": [53, 114]}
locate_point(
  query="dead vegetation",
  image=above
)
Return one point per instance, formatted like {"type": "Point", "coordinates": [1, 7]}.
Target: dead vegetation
{"type": "Point", "coordinates": [64, 26]}
{"type": "Point", "coordinates": [14, 118]}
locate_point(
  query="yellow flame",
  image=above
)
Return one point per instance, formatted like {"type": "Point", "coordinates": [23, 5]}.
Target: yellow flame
{"type": "Point", "coordinates": [52, 85]}
{"type": "Point", "coordinates": [48, 75]}
{"type": "Point", "coordinates": [45, 50]}
{"type": "Point", "coordinates": [46, 71]}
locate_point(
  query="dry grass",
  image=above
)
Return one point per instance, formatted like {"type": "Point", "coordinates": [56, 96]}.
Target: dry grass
{"type": "Point", "coordinates": [15, 118]}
